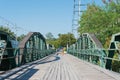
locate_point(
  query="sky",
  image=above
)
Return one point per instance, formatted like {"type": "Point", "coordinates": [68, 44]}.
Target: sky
{"type": "Point", "coordinates": [42, 16]}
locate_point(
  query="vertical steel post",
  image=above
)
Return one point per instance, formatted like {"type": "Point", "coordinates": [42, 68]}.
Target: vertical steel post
{"type": "Point", "coordinates": [18, 57]}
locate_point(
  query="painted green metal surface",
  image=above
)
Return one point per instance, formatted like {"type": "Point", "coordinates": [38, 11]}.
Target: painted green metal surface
{"type": "Point", "coordinates": [114, 49]}
{"type": "Point", "coordinates": [32, 47]}
{"type": "Point", "coordinates": [7, 44]}
{"type": "Point", "coordinates": [88, 48]}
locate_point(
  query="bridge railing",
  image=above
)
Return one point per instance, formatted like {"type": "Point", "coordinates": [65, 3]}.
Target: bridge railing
{"type": "Point", "coordinates": [90, 49]}
{"type": "Point", "coordinates": [98, 57]}
{"type": "Point", "coordinates": [32, 47]}
{"type": "Point", "coordinates": [21, 56]}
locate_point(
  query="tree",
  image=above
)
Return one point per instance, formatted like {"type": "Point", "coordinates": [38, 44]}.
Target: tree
{"type": "Point", "coordinates": [62, 41]}
{"type": "Point", "coordinates": [103, 22]}
{"type": "Point", "coordinates": [49, 36]}
{"type": "Point", "coordinates": [56, 43]}
{"type": "Point", "coordinates": [66, 39]}
{"type": "Point", "coordinates": [7, 30]}
{"type": "Point", "coordinates": [19, 38]}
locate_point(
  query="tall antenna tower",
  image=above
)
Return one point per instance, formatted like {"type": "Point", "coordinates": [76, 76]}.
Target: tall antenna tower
{"type": "Point", "coordinates": [76, 16]}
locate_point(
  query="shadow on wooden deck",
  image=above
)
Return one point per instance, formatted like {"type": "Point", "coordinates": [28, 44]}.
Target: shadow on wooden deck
{"type": "Point", "coordinates": [56, 59]}
{"type": "Point", "coordinates": [26, 75]}
{"type": "Point", "coordinates": [31, 71]}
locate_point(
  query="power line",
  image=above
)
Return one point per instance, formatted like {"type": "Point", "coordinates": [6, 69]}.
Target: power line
{"type": "Point", "coordinates": [12, 26]}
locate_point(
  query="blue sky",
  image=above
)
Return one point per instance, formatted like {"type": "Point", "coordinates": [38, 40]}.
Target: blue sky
{"type": "Point", "coordinates": [42, 16]}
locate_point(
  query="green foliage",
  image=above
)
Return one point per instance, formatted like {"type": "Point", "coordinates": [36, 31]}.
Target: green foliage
{"type": "Point", "coordinates": [102, 21]}
{"type": "Point", "coordinates": [50, 39]}
{"type": "Point", "coordinates": [49, 36]}
{"type": "Point", "coordinates": [116, 64]}
{"type": "Point", "coordinates": [7, 30]}
{"type": "Point", "coordinates": [66, 39]}
{"type": "Point", "coordinates": [19, 38]}
{"type": "Point", "coordinates": [62, 41]}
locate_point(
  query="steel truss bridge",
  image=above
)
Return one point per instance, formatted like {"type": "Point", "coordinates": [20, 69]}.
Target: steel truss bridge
{"type": "Point", "coordinates": [90, 49]}
{"type": "Point", "coordinates": [14, 54]}
{"type": "Point", "coordinates": [33, 59]}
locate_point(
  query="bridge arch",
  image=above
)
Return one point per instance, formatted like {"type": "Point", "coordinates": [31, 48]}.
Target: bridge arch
{"type": "Point", "coordinates": [31, 39]}
{"type": "Point", "coordinates": [113, 48]}
{"type": "Point", "coordinates": [89, 48]}
{"type": "Point", "coordinates": [32, 47]}
{"type": "Point", "coordinates": [7, 45]}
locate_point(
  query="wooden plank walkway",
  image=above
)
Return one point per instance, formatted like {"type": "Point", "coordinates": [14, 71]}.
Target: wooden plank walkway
{"type": "Point", "coordinates": [64, 67]}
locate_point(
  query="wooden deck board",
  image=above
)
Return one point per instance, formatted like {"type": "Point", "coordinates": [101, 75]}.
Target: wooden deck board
{"type": "Point", "coordinates": [63, 67]}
